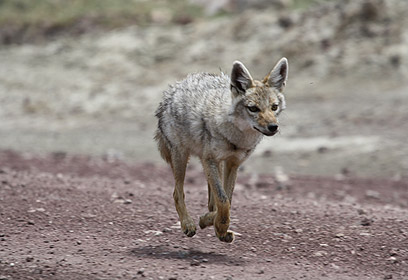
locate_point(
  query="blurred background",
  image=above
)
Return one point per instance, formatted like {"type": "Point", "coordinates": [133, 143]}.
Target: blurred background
{"type": "Point", "coordinates": [85, 76]}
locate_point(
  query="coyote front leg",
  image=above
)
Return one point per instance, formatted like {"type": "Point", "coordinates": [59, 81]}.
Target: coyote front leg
{"type": "Point", "coordinates": [211, 202]}
{"type": "Point", "coordinates": [222, 213]}
{"type": "Point", "coordinates": [229, 169]}
{"type": "Point", "coordinates": [208, 218]}
{"type": "Point", "coordinates": [178, 164]}
{"type": "Point", "coordinates": [230, 176]}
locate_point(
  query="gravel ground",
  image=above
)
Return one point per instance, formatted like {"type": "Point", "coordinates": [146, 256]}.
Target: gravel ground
{"type": "Point", "coordinates": [64, 217]}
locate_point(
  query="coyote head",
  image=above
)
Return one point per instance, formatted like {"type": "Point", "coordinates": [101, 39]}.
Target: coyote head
{"type": "Point", "coordinates": [257, 104]}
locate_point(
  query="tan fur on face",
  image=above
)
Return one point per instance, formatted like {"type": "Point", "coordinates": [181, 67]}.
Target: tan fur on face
{"type": "Point", "coordinates": [262, 96]}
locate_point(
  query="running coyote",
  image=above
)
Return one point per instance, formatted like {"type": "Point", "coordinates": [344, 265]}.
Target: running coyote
{"type": "Point", "coordinates": [220, 120]}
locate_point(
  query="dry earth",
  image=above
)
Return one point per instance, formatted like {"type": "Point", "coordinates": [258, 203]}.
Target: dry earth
{"type": "Point", "coordinates": [84, 195]}
{"type": "Point", "coordinates": [65, 217]}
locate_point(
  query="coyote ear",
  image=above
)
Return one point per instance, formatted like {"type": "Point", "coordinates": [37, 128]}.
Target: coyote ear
{"type": "Point", "coordinates": [279, 74]}
{"type": "Point", "coordinates": [241, 80]}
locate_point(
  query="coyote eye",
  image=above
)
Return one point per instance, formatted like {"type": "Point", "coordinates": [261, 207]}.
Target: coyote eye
{"type": "Point", "coordinates": [274, 107]}
{"type": "Point", "coordinates": [253, 109]}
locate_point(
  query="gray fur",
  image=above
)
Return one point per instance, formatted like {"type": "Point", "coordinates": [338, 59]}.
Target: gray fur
{"type": "Point", "coordinates": [197, 111]}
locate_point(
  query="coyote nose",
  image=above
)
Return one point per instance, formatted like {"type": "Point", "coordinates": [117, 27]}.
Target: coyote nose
{"type": "Point", "coordinates": [272, 127]}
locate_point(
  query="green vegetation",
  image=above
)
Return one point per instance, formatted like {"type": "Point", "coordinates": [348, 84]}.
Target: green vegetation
{"type": "Point", "coordinates": [33, 20]}
{"type": "Point", "coordinates": [108, 13]}
{"type": "Point", "coordinates": [304, 4]}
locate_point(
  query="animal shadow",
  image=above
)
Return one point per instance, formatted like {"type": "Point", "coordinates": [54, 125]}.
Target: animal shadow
{"type": "Point", "coordinates": [195, 257]}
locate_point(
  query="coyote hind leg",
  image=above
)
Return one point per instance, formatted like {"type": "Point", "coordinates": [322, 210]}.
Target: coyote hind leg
{"type": "Point", "coordinates": [178, 165]}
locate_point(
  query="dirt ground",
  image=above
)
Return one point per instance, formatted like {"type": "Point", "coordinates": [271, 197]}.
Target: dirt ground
{"type": "Point", "coordinates": [66, 217]}
{"type": "Point", "coordinates": [85, 195]}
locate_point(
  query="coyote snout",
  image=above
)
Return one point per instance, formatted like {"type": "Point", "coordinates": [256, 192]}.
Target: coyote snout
{"type": "Point", "coordinates": [271, 129]}
{"type": "Point", "coordinates": [220, 120]}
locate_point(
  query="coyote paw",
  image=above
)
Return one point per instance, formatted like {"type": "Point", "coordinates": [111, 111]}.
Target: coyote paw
{"type": "Point", "coordinates": [227, 237]}
{"type": "Point", "coordinates": [207, 220]}
{"type": "Point", "coordinates": [188, 227]}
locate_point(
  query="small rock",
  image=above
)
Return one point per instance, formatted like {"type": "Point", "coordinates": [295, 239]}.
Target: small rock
{"type": "Point", "coordinates": [388, 276]}
{"type": "Point", "coordinates": [78, 242]}
{"type": "Point", "coordinates": [30, 222]}
{"type": "Point", "coordinates": [29, 259]}
{"type": "Point", "coordinates": [320, 253]}
{"type": "Point", "coordinates": [372, 194]}
{"type": "Point", "coordinates": [322, 149]}
{"type": "Point", "coordinates": [127, 201]}
{"type": "Point", "coordinates": [267, 153]}
{"type": "Point", "coordinates": [262, 184]}
{"type": "Point", "coordinates": [285, 21]}
{"type": "Point", "coordinates": [361, 212]}
{"type": "Point", "coordinates": [366, 222]}
{"type": "Point", "coordinates": [195, 262]}
{"type": "Point", "coordinates": [345, 171]}
{"type": "Point", "coordinates": [394, 252]}
{"type": "Point", "coordinates": [339, 235]}
{"type": "Point", "coordinates": [166, 230]}
{"type": "Point", "coordinates": [335, 266]}
{"type": "Point", "coordinates": [392, 259]}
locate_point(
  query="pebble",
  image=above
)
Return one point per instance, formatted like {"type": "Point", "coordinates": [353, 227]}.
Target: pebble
{"type": "Point", "coordinates": [394, 252]}
{"type": "Point", "coordinates": [166, 230]}
{"type": "Point", "coordinates": [195, 262]}
{"type": "Point", "coordinates": [361, 212]}
{"type": "Point", "coordinates": [335, 266]}
{"type": "Point", "coordinates": [320, 253]}
{"type": "Point", "coordinates": [372, 194]}
{"type": "Point", "coordinates": [366, 222]}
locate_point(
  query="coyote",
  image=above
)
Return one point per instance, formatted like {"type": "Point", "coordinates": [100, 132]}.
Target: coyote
{"type": "Point", "coordinates": [220, 120]}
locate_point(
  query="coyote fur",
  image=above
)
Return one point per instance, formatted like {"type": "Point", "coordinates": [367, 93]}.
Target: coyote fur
{"type": "Point", "coordinates": [220, 119]}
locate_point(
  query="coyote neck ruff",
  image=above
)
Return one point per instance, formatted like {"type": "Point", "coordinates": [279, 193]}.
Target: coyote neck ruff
{"type": "Point", "coordinates": [220, 119]}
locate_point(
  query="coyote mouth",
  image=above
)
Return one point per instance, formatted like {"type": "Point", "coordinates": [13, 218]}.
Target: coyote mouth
{"type": "Point", "coordinates": [268, 133]}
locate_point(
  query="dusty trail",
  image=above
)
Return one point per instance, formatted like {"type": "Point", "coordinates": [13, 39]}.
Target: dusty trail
{"type": "Point", "coordinates": [64, 217]}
